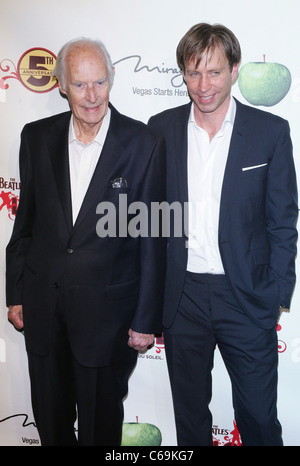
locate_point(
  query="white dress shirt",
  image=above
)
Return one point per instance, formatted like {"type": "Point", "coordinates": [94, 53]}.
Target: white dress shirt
{"type": "Point", "coordinates": [82, 161]}
{"type": "Point", "coordinates": [206, 165]}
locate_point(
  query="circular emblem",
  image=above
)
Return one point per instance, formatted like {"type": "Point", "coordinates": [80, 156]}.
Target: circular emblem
{"type": "Point", "coordinates": [34, 69]}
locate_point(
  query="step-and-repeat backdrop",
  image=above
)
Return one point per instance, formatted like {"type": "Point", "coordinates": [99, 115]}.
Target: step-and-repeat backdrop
{"type": "Point", "coordinates": [141, 38]}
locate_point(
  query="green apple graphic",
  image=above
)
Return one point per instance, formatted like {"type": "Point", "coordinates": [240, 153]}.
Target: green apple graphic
{"type": "Point", "coordinates": [140, 434]}
{"type": "Point", "coordinates": [264, 83]}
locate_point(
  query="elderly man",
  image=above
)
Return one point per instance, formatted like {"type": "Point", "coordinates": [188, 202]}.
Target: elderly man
{"type": "Point", "coordinates": [89, 303]}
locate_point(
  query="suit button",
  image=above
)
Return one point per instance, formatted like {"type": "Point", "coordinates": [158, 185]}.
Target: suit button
{"type": "Point", "coordinates": [70, 251]}
{"type": "Point", "coordinates": [56, 285]}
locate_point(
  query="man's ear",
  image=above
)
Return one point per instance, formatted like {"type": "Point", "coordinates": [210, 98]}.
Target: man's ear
{"type": "Point", "coordinates": [235, 73]}
{"type": "Point", "coordinates": [61, 88]}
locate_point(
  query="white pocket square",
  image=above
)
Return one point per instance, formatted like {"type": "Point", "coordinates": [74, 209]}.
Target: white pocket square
{"type": "Point", "coordinates": [254, 166]}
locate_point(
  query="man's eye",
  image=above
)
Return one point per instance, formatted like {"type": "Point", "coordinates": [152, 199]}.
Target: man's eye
{"type": "Point", "coordinates": [79, 86]}
{"type": "Point", "coordinates": [192, 75]}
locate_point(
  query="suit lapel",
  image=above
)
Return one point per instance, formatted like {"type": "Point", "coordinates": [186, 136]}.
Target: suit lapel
{"type": "Point", "coordinates": [60, 161]}
{"type": "Point", "coordinates": [233, 165]}
{"type": "Point", "coordinates": [104, 167]}
{"type": "Point", "coordinates": [181, 151]}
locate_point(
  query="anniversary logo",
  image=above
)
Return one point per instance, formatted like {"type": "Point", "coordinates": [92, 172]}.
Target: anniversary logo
{"type": "Point", "coordinates": [34, 70]}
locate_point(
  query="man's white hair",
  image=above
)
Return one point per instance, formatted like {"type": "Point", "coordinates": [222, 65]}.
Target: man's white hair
{"type": "Point", "coordinates": [60, 66]}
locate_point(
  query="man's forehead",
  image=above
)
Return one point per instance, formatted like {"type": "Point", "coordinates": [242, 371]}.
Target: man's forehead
{"type": "Point", "coordinates": [85, 53]}
{"type": "Point", "coordinates": [84, 49]}
{"type": "Point", "coordinates": [214, 56]}
{"type": "Point", "coordinates": [78, 57]}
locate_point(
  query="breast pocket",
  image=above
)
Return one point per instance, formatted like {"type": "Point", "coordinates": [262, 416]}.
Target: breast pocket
{"type": "Point", "coordinates": [253, 180]}
{"type": "Point", "coordinates": [113, 194]}
{"type": "Point", "coordinates": [255, 170]}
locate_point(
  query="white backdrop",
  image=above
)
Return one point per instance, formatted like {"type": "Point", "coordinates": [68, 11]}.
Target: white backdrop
{"type": "Point", "coordinates": [141, 38]}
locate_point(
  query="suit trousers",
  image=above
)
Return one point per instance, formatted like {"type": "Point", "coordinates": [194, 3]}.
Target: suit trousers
{"type": "Point", "coordinates": [63, 390]}
{"type": "Point", "coordinates": [209, 315]}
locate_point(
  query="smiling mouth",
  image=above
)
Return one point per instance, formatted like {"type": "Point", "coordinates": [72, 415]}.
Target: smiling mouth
{"type": "Point", "coordinates": [92, 109]}
{"type": "Point", "coordinates": [206, 98]}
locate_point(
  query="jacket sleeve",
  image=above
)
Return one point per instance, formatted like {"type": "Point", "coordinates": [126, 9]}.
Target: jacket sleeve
{"type": "Point", "coordinates": [23, 227]}
{"type": "Point", "coordinates": [148, 315]}
{"type": "Point", "coordinates": [282, 214]}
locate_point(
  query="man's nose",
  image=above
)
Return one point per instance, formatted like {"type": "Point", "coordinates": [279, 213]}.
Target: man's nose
{"type": "Point", "coordinates": [204, 83]}
{"type": "Point", "coordinates": [91, 94]}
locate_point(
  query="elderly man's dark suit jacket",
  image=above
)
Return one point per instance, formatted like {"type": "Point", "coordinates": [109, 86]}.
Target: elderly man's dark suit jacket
{"type": "Point", "coordinates": [258, 211]}
{"type": "Point", "coordinates": [110, 284]}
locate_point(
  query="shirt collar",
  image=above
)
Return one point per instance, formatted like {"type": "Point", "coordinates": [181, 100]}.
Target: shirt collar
{"type": "Point", "coordinates": [229, 117]}
{"type": "Point", "coordinates": [101, 135]}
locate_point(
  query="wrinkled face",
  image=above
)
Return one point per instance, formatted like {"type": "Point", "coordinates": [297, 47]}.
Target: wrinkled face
{"type": "Point", "coordinates": [86, 86]}
{"type": "Point", "coordinates": [209, 83]}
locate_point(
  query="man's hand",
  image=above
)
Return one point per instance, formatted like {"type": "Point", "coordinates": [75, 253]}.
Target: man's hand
{"type": "Point", "coordinates": [15, 315]}
{"type": "Point", "coordinates": [140, 341]}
